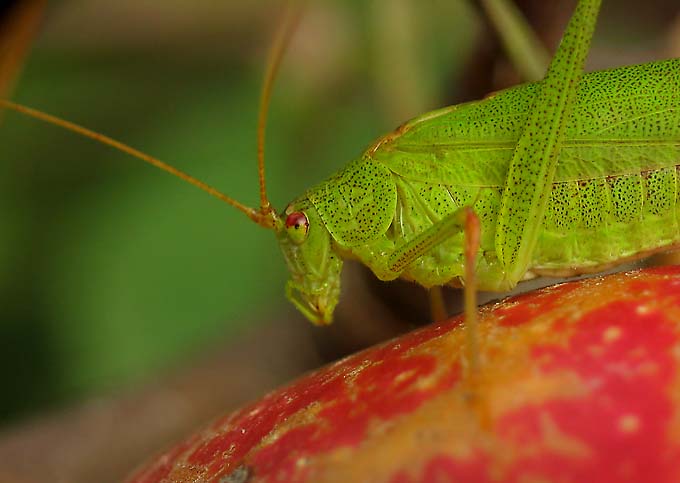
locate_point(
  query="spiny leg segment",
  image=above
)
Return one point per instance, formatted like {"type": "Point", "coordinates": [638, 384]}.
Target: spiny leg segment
{"type": "Point", "coordinates": [465, 220]}
{"type": "Point", "coordinates": [534, 162]}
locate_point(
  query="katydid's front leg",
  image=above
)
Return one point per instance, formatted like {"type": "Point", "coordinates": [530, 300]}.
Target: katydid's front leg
{"type": "Point", "coordinates": [409, 252]}
{"type": "Point", "coordinates": [532, 168]}
{"type": "Point", "coordinates": [465, 220]}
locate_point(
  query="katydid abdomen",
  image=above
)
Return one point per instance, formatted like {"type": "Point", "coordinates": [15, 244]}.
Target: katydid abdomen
{"type": "Point", "coordinates": [614, 195]}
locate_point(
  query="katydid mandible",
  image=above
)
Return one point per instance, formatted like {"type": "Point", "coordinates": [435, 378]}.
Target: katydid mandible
{"type": "Point", "coordinates": [567, 175]}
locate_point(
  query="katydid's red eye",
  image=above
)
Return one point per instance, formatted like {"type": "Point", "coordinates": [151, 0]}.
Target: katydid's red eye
{"type": "Point", "coordinates": [297, 220]}
{"type": "Point", "coordinates": [297, 226]}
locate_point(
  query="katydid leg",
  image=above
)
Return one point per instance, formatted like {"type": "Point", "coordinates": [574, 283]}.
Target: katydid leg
{"type": "Point", "coordinates": [437, 305]}
{"type": "Point", "coordinates": [465, 220]}
{"type": "Point", "coordinates": [532, 167]}
{"type": "Point", "coordinates": [472, 241]}
{"type": "Point", "coordinates": [415, 248]}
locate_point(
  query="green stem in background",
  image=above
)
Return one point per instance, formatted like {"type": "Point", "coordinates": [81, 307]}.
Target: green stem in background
{"type": "Point", "coordinates": [525, 49]}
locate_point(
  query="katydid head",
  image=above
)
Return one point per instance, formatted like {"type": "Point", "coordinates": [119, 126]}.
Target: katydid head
{"type": "Point", "coordinates": [314, 286]}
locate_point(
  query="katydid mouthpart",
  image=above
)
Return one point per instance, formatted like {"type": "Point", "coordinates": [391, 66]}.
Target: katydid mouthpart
{"type": "Point", "coordinates": [565, 176]}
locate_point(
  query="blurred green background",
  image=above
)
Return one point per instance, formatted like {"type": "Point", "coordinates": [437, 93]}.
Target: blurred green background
{"type": "Point", "coordinates": [111, 270]}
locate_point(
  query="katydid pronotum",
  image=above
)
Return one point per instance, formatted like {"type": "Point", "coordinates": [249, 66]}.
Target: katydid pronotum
{"type": "Point", "coordinates": [603, 189]}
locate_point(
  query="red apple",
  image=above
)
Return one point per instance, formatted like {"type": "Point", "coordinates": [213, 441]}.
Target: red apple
{"type": "Point", "coordinates": [578, 383]}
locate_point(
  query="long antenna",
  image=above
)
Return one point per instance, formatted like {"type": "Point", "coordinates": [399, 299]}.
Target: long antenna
{"type": "Point", "coordinates": [265, 216]}
{"type": "Point", "coordinates": [251, 212]}
{"type": "Point", "coordinates": [278, 48]}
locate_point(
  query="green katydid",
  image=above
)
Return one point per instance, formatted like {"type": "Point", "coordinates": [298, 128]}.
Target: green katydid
{"type": "Point", "coordinates": [606, 167]}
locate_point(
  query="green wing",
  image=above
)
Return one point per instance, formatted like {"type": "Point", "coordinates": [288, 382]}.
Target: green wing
{"type": "Point", "coordinates": [625, 121]}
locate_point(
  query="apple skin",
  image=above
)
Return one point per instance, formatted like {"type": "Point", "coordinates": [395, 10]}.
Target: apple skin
{"type": "Point", "coordinates": [579, 382]}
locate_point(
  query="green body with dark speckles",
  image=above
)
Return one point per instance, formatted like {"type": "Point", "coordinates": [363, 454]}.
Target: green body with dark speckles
{"type": "Point", "coordinates": [567, 175]}
{"type": "Point", "coordinates": [614, 194]}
